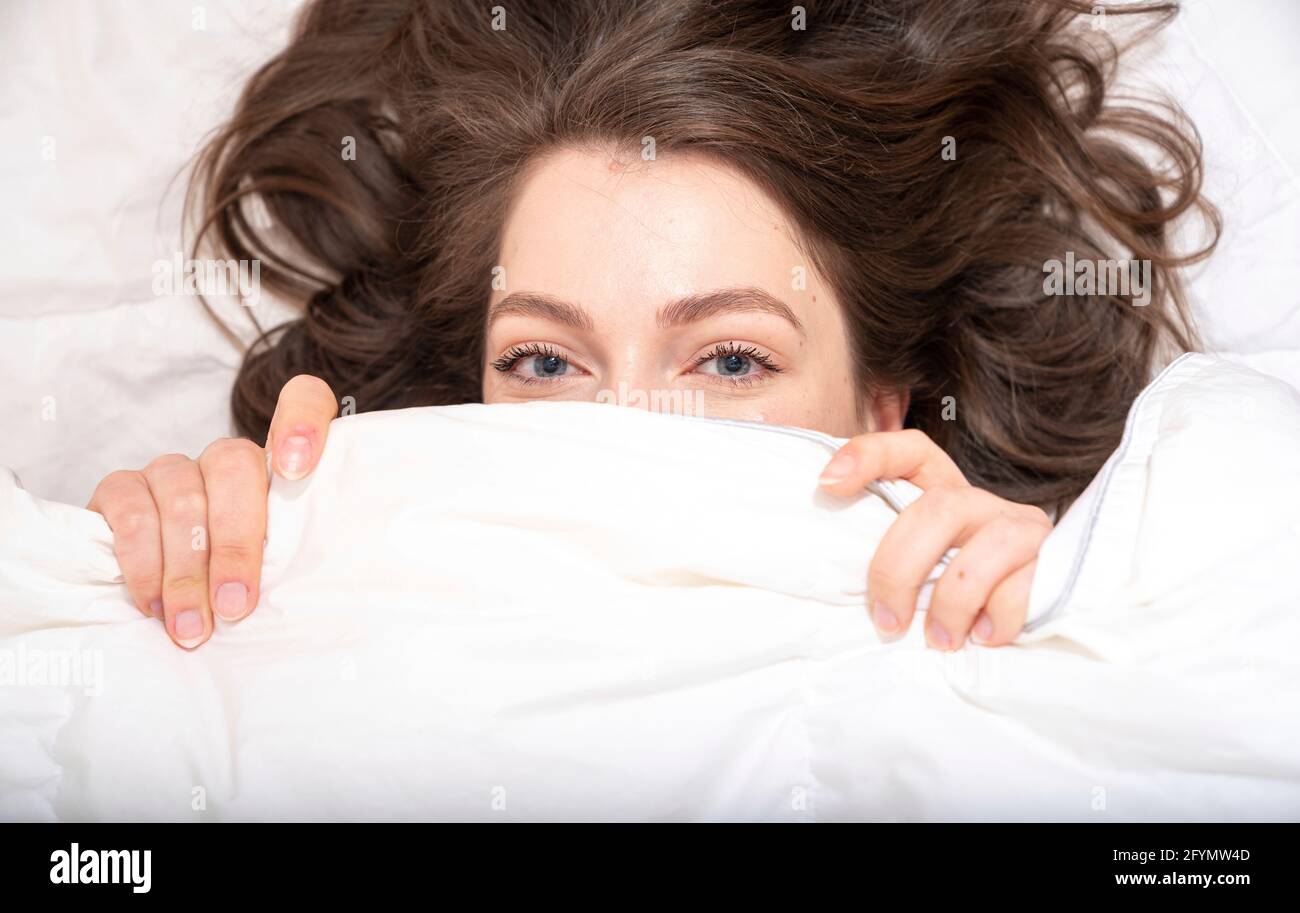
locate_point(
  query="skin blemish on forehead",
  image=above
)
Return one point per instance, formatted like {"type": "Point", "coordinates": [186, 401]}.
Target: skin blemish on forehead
{"type": "Point", "coordinates": [617, 165]}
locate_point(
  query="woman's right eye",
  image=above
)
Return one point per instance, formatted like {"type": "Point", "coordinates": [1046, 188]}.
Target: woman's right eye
{"type": "Point", "coordinates": [533, 363]}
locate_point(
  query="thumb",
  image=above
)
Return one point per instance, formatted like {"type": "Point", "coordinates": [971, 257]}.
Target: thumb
{"type": "Point", "coordinates": [300, 425]}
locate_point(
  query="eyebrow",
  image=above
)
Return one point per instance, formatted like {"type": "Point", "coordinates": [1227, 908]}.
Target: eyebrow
{"type": "Point", "coordinates": [531, 304]}
{"type": "Point", "coordinates": [690, 309]}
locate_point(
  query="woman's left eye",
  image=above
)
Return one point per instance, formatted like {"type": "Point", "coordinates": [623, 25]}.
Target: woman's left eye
{"type": "Point", "coordinates": [732, 361]}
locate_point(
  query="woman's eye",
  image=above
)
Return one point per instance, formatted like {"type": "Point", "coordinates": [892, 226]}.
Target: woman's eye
{"type": "Point", "coordinates": [533, 363]}
{"type": "Point", "coordinates": [736, 362]}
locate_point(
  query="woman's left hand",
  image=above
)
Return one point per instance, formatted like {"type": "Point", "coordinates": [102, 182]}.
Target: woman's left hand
{"type": "Point", "coordinates": [984, 592]}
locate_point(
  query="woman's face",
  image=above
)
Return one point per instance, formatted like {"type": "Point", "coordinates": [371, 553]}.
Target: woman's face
{"type": "Point", "coordinates": [673, 284]}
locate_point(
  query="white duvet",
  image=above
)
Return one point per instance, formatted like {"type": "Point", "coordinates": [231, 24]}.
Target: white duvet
{"type": "Point", "coordinates": [576, 611]}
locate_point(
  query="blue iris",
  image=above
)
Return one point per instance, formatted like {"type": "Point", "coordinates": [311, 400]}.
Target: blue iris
{"type": "Point", "coordinates": [549, 365]}
{"type": "Point", "coordinates": [733, 365]}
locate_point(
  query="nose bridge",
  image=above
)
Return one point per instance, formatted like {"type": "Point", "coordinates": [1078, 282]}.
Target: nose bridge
{"type": "Point", "coordinates": [630, 378]}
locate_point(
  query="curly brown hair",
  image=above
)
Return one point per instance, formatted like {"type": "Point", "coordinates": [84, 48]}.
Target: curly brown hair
{"type": "Point", "coordinates": [937, 260]}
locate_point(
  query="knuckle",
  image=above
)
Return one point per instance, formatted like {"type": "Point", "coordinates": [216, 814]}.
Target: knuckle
{"type": "Point", "coordinates": [235, 553]}
{"type": "Point", "coordinates": [229, 454]}
{"type": "Point", "coordinates": [114, 489]}
{"type": "Point", "coordinates": [184, 585]}
{"type": "Point", "coordinates": [167, 461]}
{"type": "Point", "coordinates": [1036, 515]}
{"type": "Point", "coordinates": [186, 505]}
{"type": "Point", "coordinates": [1005, 530]}
{"type": "Point", "coordinates": [1020, 530]}
{"type": "Point", "coordinates": [118, 481]}
{"type": "Point", "coordinates": [947, 498]}
{"type": "Point", "coordinates": [135, 523]}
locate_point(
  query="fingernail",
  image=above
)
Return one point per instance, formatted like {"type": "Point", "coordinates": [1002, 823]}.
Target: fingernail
{"type": "Point", "coordinates": [295, 454]}
{"type": "Point", "coordinates": [232, 601]}
{"type": "Point", "coordinates": [983, 630]}
{"type": "Point", "coordinates": [885, 620]}
{"type": "Point", "coordinates": [189, 625]}
{"type": "Point", "coordinates": [837, 469]}
{"type": "Point", "coordinates": [938, 636]}
{"type": "Point", "coordinates": [156, 608]}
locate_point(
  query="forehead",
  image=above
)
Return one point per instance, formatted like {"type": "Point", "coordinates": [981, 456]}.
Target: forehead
{"type": "Point", "coordinates": [604, 231]}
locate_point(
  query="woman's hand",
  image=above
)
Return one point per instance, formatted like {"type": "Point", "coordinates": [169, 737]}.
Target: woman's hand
{"type": "Point", "coordinates": [189, 533]}
{"type": "Point", "coordinates": [984, 592]}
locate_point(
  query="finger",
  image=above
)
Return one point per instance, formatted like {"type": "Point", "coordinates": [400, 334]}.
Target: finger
{"type": "Point", "coordinates": [300, 425]}
{"type": "Point", "coordinates": [124, 500]}
{"type": "Point", "coordinates": [993, 553]}
{"type": "Point", "coordinates": [906, 454]}
{"type": "Point", "coordinates": [177, 488]}
{"type": "Point", "coordinates": [234, 478]}
{"type": "Point", "coordinates": [941, 518]}
{"type": "Point", "coordinates": [1008, 606]}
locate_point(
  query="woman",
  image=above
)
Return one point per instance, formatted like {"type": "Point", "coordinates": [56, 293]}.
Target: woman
{"type": "Point", "coordinates": [837, 217]}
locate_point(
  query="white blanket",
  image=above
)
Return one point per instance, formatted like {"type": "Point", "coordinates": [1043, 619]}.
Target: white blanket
{"type": "Point", "coordinates": [582, 612]}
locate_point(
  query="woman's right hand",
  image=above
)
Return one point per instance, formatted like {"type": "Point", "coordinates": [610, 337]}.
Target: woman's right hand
{"type": "Point", "coordinates": [189, 533]}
